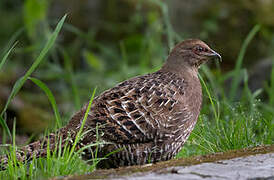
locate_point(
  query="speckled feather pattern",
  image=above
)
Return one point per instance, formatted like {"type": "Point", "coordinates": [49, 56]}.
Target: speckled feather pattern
{"type": "Point", "coordinates": [147, 118]}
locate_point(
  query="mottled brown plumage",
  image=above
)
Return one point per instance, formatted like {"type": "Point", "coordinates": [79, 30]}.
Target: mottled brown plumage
{"type": "Point", "coordinates": [148, 117]}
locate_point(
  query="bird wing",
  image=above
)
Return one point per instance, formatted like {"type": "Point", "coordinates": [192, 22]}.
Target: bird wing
{"type": "Point", "coordinates": [140, 109]}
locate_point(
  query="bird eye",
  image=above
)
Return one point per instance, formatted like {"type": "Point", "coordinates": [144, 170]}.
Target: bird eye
{"type": "Point", "coordinates": [199, 49]}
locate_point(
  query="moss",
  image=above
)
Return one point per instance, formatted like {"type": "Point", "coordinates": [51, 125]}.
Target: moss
{"type": "Point", "coordinates": [101, 174]}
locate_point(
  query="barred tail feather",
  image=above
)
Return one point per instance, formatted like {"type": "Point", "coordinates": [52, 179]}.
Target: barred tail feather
{"type": "Point", "coordinates": [34, 150]}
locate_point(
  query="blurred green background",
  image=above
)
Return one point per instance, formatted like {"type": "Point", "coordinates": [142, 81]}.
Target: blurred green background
{"type": "Point", "coordinates": [106, 41]}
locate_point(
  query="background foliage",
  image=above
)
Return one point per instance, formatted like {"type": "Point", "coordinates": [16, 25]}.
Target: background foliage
{"type": "Point", "coordinates": [103, 42]}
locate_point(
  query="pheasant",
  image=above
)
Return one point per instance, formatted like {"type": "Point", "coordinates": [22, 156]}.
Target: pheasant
{"type": "Point", "coordinates": [148, 118]}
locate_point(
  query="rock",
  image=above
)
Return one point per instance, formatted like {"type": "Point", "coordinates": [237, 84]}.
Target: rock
{"type": "Point", "coordinates": [254, 167]}
{"type": "Point", "coordinates": [249, 163]}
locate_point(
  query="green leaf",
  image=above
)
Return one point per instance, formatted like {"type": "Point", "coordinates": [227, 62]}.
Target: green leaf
{"type": "Point", "coordinates": [51, 98]}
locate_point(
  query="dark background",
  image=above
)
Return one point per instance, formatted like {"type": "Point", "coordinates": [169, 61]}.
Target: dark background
{"type": "Point", "coordinates": [106, 41]}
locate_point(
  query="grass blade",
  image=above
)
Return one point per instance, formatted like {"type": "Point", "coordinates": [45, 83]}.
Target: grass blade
{"type": "Point", "coordinates": [71, 80]}
{"type": "Point", "coordinates": [236, 79]}
{"type": "Point", "coordinates": [77, 138]}
{"type": "Point", "coordinates": [51, 98]}
{"type": "Point", "coordinates": [11, 41]}
{"type": "Point", "coordinates": [169, 29]}
{"type": "Point", "coordinates": [19, 83]}
{"type": "Point", "coordinates": [5, 126]}
{"type": "Point", "coordinates": [6, 55]}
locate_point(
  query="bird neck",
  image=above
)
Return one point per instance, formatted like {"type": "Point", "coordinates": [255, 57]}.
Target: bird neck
{"type": "Point", "coordinates": [180, 67]}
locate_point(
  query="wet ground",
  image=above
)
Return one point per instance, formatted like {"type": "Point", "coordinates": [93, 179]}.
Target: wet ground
{"type": "Point", "coordinates": [250, 163]}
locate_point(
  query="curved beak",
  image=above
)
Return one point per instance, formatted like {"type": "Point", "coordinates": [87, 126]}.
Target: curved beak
{"type": "Point", "coordinates": [215, 55]}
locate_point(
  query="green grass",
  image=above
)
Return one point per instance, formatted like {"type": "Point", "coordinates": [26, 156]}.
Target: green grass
{"type": "Point", "coordinates": [62, 161]}
{"type": "Point", "coordinates": [233, 126]}
{"type": "Point", "coordinates": [59, 162]}
{"type": "Point", "coordinates": [237, 70]}
{"type": "Point", "coordinates": [224, 123]}
{"type": "Point", "coordinates": [51, 98]}
{"type": "Point", "coordinates": [20, 82]}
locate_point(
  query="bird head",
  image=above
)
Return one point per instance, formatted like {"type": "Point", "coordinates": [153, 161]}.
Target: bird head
{"type": "Point", "coordinates": [192, 53]}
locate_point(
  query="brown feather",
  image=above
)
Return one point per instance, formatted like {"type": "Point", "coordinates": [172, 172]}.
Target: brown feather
{"type": "Point", "coordinates": [148, 117]}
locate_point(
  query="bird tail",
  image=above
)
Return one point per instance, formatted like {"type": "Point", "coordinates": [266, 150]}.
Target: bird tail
{"type": "Point", "coordinates": [34, 150]}
{"type": "Point", "coordinates": [54, 141]}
